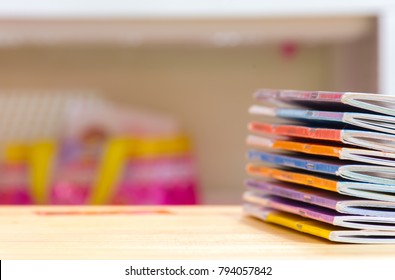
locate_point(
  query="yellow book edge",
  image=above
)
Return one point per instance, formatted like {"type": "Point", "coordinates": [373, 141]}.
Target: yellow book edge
{"type": "Point", "coordinates": [319, 229]}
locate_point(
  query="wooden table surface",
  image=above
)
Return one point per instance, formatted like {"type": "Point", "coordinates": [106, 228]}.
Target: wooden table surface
{"type": "Point", "coordinates": [198, 232]}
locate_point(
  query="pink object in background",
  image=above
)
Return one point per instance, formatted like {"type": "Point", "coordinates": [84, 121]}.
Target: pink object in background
{"type": "Point", "coordinates": [14, 184]}
{"type": "Point", "coordinates": [72, 184]}
{"type": "Point", "coordinates": [289, 50]}
{"type": "Point", "coordinates": [143, 180]}
{"type": "Point", "coordinates": [75, 172]}
{"type": "Point", "coordinates": [160, 180]}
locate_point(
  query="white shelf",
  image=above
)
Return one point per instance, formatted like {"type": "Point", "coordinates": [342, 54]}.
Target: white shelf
{"type": "Point", "coordinates": [217, 33]}
{"type": "Point", "coordinates": [181, 8]}
{"type": "Point", "coordinates": [153, 10]}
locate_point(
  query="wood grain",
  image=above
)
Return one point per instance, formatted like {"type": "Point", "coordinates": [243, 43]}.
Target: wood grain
{"type": "Point", "coordinates": [202, 232]}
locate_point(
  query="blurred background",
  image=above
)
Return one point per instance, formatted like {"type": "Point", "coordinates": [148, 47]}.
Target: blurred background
{"type": "Point", "coordinates": [146, 103]}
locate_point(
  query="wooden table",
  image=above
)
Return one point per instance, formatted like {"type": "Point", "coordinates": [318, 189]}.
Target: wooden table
{"type": "Point", "coordinates": [159, 233]}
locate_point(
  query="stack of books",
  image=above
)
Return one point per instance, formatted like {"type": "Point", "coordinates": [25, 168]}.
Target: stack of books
{"type": "Point", "coordinates": [323, 163]}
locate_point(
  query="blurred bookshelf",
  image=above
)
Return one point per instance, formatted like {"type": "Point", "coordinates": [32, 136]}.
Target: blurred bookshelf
{"type": "Point", "coordinates": [199, 61]}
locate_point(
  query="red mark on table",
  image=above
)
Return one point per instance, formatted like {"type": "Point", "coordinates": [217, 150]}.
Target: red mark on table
{"type": "Point", "coordinates": [100, 212]}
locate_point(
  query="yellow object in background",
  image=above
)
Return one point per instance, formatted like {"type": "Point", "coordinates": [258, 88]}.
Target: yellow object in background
{"type": "Point", "coordinates": [119, 150]}
{"type": "Point", "coordinates": [110, 169]}
{"type": "Point", "coordinates": [16, 152]}
{"type": "Point", "coordinates": [54, 178]}
{"type": "Point", "coordinates": [42, 155]}
{"type": "Point", "coordinates": [146, 147]}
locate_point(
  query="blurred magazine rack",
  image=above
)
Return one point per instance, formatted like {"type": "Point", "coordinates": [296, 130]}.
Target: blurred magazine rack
{"type": "Point", "coordinates": [73, 147]}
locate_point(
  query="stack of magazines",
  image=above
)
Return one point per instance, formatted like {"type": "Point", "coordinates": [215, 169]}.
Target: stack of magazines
{"type": "Point", "coordinates": [323, 163]}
